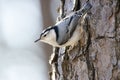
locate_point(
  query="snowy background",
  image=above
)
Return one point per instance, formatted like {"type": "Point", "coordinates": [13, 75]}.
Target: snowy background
{"type": "Point", "coordinates": [21, 22]}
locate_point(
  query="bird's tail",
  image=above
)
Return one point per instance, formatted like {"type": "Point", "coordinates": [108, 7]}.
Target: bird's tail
{"type": "Point", "coordinates": [87, 6]}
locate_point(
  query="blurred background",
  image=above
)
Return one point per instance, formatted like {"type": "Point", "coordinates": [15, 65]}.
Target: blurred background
{"type": "Point", "coordinates": [21, 22]}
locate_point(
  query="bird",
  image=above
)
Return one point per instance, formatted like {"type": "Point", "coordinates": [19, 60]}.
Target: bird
{"type": "Point", "coordinates": [66, 31]}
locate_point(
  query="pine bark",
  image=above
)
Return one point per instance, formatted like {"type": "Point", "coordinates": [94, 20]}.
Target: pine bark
{"type": "Point", "coordinates": [97, 55]}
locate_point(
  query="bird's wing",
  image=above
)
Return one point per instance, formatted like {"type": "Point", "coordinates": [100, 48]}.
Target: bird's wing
{"type": "Point", "coordinates": [67, 28]}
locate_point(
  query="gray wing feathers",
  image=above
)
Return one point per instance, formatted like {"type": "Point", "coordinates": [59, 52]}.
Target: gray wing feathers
{"type": "Point", "coordinates": [67, 29]}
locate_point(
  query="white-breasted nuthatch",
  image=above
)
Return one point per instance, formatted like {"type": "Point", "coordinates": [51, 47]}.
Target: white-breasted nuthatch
{"type": "Point", "coordinates": [65, 32]}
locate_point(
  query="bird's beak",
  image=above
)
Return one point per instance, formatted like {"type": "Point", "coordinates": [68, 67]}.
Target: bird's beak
{"type": "Point", "coordinates": [38, 39]}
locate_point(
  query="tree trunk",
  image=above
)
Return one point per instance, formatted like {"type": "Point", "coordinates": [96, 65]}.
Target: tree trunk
{"type": "Point", "coordinates": [97, 55]}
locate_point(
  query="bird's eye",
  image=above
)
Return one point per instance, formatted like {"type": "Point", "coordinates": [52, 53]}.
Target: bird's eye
{"type": "Point", "coordinates": [44, 35]}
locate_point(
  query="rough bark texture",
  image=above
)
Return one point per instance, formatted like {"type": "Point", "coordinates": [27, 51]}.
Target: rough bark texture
{"type": "Point", "coordinates": [97, 55]}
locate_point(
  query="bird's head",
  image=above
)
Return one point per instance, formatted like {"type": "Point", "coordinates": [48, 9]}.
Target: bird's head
{"type": "Point", "coordinates": [48, 36]}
